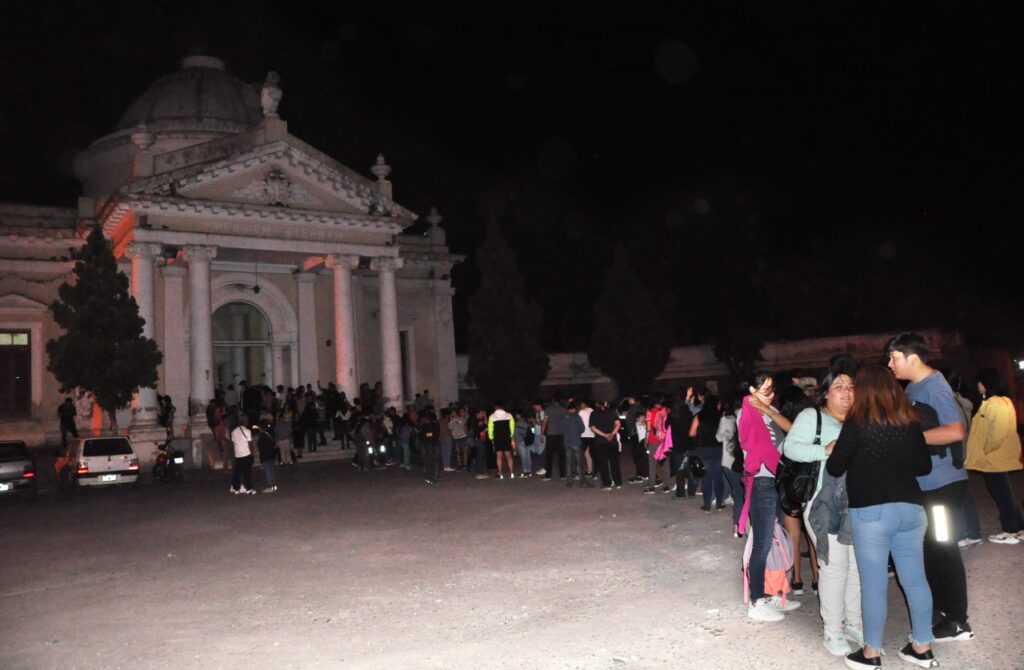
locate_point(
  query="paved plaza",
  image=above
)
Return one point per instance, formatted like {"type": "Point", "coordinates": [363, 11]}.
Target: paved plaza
{"type": "Point", "coordinates": [342, 569]}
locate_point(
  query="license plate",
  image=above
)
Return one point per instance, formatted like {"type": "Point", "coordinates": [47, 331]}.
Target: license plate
{"type": "Point", "coordinates": [5, 487]}
{"type": "Point", "coordinates": [179, 460]}
{"type": "Point", "coordinates": [108, 478]}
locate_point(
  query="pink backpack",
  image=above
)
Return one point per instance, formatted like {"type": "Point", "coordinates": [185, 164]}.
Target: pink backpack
{"type": "Point", "coordinates": [776, 570]}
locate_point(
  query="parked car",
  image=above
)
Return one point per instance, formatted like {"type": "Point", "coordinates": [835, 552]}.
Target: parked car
{"type": "Point", "coordinates": [17, 470]}
{"type": "Point", "coordinates": [97, 461]}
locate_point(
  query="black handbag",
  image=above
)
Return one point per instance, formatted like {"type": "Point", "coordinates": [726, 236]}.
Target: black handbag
{"type": "Point", "coordinates": [697, 467]}
{"type": "Point", "coordinates": [796, 481]}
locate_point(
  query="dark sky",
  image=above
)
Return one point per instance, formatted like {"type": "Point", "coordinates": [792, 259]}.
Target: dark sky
{"type": "Point", "coordinates": [820, 168]}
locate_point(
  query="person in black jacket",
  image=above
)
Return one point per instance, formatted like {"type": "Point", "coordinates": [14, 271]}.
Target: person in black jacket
{"type": "Point", "coordinates": [267, 447]}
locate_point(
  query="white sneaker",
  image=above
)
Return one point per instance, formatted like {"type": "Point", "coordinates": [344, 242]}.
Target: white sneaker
{"type": "Point", "coordinates": [789, 606]}
{"type": "Point", "coordinates": [760, 610]}
{"type": "Point", "coordinates": [270, 489]}
{"type": "Point", "coordinates": [968, 542]}
{"type": "Point", "coordinates": [836, 644]}
{"type": "Point", "coordinates": [1004, 538]}
{"type": "Point", "coordinates": [541, 472]}
{"type": "Point", "coordinates": [854, 635]}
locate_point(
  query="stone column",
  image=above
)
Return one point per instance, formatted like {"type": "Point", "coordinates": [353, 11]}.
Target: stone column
{"type": "Point", "coordinates": [144, 411]}
{"type": "Point", "coordinates": [237, 314]}
{"type": "Point", "coordinates": [344, 324]}
{"type": "Point", "coordinates": [308, 366]}
{"type": "Point", "coordinates": [201, 340]}
{"type": "Point", "coordinates": [390, 347]}
{"type": "Point", "coordinates": [444, 329]}
{"type": "Point", "coordinates": [278, 358]}
{"type": "Point", "coordinates": [176, 380]}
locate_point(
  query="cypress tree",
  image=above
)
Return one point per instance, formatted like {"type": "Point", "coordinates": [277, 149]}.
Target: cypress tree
{"type": "Point", "coordinates": [631, 341]}
{"type": "Point", "coordinates": [506, 361]}
{"type": "Point", "coordinates": [102, 350]}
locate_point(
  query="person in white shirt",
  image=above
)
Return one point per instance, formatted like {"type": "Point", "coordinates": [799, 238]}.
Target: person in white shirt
{"type": "Point", "coordinates": [588, 436]}
{"type": "Point", "coordinates": [241, 478]}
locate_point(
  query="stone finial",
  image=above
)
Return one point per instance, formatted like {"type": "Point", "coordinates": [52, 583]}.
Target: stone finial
{"type": "Point", "coordinates": [434, 218]}
{"type": "Point", "coordinates": [271, 94]}
{"type": "Point", "coordinates": [142, 138]}
{"type": "Point", "coordinates": [381, 169]}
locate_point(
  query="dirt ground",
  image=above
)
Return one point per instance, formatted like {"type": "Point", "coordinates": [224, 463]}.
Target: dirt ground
{"type": "Point", "coordinates": [342, 569]}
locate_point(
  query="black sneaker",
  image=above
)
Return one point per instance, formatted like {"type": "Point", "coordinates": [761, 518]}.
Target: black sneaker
{"type": "Point", "coordinates": [951, 631]}
{"type": "Point", "coordinates": [650, 490]}
{"type": "Point", "coordinates": [635, 480]}
{"type": "Point", "coordinates": [798, 588]}
{"type": "Point", "coordinates": [858, 661]}
{"type": "Point", "coordinates": [924, 659]}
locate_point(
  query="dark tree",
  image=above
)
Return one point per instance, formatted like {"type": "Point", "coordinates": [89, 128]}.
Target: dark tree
{"type": "Point", "coordinates": [506, 361]}
{"type": "Point", "coordinates": [738, 343]}
{"type": "Point", "coordinates": [631, 339]}
{"type": "Point", "coordinates": [102, 350]}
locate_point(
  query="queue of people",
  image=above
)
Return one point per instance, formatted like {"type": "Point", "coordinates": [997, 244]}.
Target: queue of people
{"type": "Point", "coordinates": [889, 465]}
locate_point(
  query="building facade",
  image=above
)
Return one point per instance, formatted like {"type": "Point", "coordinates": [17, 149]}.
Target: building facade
{"type": "Point", "coordinates": [252, 255]}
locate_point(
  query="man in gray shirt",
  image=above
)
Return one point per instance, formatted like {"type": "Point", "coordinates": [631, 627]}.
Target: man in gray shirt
{"type": "Point", "coordinates": [572, 435]}
{"type": "Point", "coordinates": [553, 442]}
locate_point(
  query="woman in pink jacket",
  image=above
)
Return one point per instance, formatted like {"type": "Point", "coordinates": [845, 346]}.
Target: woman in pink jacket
{"type": "Point", "coordinates": [761, 430]}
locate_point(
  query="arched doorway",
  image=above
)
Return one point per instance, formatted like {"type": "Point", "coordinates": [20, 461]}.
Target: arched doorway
{"type": "Point", "coordinates": [241, 345]}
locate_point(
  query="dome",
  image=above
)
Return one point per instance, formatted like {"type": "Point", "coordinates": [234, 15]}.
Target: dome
{"type": "Point", "coordinates": [201, 90]}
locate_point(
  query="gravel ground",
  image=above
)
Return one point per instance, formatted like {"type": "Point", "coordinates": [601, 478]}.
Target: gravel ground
{"type": "Point", "coordinates": [342, 569]}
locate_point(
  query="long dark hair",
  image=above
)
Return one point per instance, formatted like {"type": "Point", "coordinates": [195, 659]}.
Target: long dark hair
{"type": "Point", "coordinates": [880, 400]}
{"type": "Point", "coordinates": [993, 383]}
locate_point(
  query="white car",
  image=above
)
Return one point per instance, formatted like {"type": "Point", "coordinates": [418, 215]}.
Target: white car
{"type": "Point", "coordinates": [17, 470]}
{"type": "Point", "coordinates": [97, 461]}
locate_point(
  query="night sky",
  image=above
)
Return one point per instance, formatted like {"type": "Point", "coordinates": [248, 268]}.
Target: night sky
{"type": "Point", "coordinates": [800, 168]}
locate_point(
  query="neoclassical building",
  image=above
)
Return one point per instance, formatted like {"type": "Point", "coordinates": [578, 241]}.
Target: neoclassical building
{"type": "Point", "coordinates": [252, 255]}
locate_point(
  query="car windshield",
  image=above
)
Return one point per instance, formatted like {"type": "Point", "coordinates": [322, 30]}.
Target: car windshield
{"type": "Point", "coordinates": [107, 446]}
{"type": "Point", "coordinates": [12, 451]}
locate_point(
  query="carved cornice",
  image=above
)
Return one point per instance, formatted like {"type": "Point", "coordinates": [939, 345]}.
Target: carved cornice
{"type": "Point", "coordinates": [245, 211]}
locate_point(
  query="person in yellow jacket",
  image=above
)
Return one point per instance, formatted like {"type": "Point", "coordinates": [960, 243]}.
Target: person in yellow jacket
{"type": "Point", "coordinates": [994, 450]}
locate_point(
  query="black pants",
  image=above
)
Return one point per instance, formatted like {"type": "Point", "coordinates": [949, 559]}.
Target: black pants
{"type": "Point", "coordinates": [606, 460]}
{"type": "Point", "coordinates": [942, 562]}
{"type": "Point", "coordinates": [242, 474]}
{"type": "Point", "coordinates": [639, 455]}
{"type": "Point", "coordinates": [554, 445]}
{"type": "Point", "coordinates": [66, 428]}
{"type": "Point", "coordinates": [431, 459]}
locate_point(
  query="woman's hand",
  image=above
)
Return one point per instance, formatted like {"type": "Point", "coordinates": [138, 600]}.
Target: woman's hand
{"type": "Point", "coordinates": [829, 447]}
{"type": "Point", "coordinates": [756, 403]}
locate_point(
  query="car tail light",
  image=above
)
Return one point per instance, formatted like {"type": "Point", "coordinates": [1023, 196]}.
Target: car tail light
{"type": "Point", "coordinates": [29, 473]}
{"type": "Point", "coordinates": [133, 464]}
{"type": "Point", "coordinates": [83, 468]}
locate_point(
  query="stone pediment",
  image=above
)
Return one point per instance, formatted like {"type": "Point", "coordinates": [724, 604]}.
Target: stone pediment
{"type": "Point", "coordinates": [283, 173]}
{"type": "Point", "coordinates": [15, 302]}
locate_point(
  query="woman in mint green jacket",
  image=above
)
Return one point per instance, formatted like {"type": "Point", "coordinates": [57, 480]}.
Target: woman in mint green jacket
{"type": "Point", "coordinates": [838, 581]}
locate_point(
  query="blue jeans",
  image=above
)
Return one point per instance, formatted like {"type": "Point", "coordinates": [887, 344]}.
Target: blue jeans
{"type": "Point", "coordinates": [998, 484]}
{"type": "Point", "coordinates": [739, 494]}
{"type": "Point", "coordinates": [270, 472]}
{"type": "Point", "coordinates": [712, 485]}
{"type": "Point", "coordinates": [896, 528]}
{"type": "Point", "coordinates": [970, 524]}
{"type": "Point", "coordinates": [764, 510]}
{"type": "Point", "coordinates": [446, 452]}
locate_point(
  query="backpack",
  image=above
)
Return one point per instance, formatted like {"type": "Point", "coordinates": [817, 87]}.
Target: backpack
{"type": "Point", "coordinates": [528, 437]}
{"type": "Point", "coordinates": [777, 567]}
{"type": "Point", "coordinates": [656, 428]}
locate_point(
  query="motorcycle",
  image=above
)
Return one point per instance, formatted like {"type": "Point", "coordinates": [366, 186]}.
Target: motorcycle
{"type": "Point", "coordinates": [169, 464]}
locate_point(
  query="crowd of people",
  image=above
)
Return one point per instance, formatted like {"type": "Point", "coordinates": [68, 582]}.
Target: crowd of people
{"type": "Point", "coordinates": [887, 491]}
